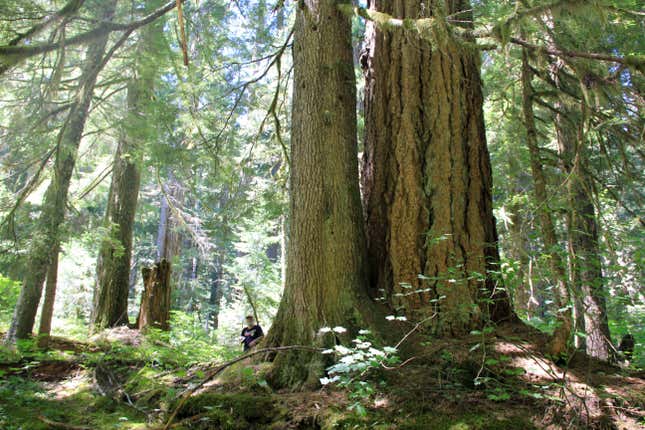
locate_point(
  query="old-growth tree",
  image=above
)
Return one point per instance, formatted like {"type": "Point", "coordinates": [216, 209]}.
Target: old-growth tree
{"type": "Point", "coordinates": [426, 171]}
{"type": "Point", "coordinates": [47, 230]}
{"type": "Point", "coordinates": [325, 271]}
{"type": "Point", "coordinates": [114, 261]}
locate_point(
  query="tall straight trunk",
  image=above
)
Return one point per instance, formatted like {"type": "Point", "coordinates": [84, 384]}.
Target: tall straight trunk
{"type": "Point", "coordinates": [432, 240]}
{"type": "Point", "coordinates": [325, 275]}
{"type": "Point", "coordinates": [114, 262]}
{"type": "Point", "coordinates": [563, 331]}
{"type": "Point", "coordinates": [46, 230]}
{"type": "Point", "coordinates": [586, 273]}
{"type": "Point", "coordinates": [216, 293]}
{"type": "Point", "coordinates": [47, 312]}
{"type": "Point", "coordinates": [523, 298]}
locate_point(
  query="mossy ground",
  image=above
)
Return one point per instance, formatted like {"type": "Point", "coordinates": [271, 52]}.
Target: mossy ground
{"type": "Point", "coordinates": [503, 384]}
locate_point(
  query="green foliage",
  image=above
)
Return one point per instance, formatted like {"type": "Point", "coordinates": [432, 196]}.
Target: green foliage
{"type": "Point", "coordinates": [353, 365]}
{"type": "Point", "coordinates": [20, 398]}
{"type": "Point", "coordinates": [9, 291]}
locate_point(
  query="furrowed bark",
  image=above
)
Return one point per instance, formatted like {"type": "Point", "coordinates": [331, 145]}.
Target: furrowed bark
{"type": "Point", "coordinates": [426, 174]}
{"type": "Point", "coordinates": [325, 274]}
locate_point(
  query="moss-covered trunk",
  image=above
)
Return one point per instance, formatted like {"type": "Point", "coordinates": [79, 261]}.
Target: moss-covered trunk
{"type": "Point", "coordinates": [562, 333]}
{"type": "Point", "coordinates": [584, 249]}
{"type": "Point", "coordinates": [113, 267]}
{"type": "Point", "coordinates": [47, 312]}
{"type": "Point", "coordinates": [427, 175]}
{"type": "Point", "coordinates": [325, 249]}
{"type": "Point", "coordinates": [46, 231]}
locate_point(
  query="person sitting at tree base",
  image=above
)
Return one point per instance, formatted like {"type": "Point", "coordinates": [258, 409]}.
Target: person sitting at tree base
{"type": "Point", "coordinates": [251, 334]}
{"type": "Point", "coordinates": [626, 346]}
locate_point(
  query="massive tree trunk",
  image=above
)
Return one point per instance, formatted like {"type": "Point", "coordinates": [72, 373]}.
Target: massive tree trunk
{"type": "Point", "coordinates": [562, 333]}
{"type": "Point", "coordinates": [586, 273]}
{"type": "Point", "coordinates": [427, 175]}
{"type": "Point", "coordinates": [325, 274]}
{"type": "Point", "coordinates": [47, 312]}
{"type": "Point", "coordinates": [114, 261]}
{"type": "Point", "coordinates": [46, 236]}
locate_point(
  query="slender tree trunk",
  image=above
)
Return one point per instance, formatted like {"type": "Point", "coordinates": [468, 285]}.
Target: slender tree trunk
{"type": "Point", "coordinates": [216, 292]}
{"type": "Point", "coordinates": [427, 176]}
{"type": "Point", "coordinates": [325, 251]}
{"type": "Point", "coordinates": [523, 298]}
{"type": "Point", "coordinates": [47, 312]}
{"type": "Point", "coordinates": [47, 234]}
{"type": "Point", "coordinates": [584, 248]}
{"type": "Point", "coordinates": [563, 331]}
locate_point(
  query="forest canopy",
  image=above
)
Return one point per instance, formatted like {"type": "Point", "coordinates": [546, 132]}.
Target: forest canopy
{"type": "Point", "coordinates": [376, 192]}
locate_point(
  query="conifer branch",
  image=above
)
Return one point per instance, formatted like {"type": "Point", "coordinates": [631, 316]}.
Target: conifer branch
{"type": "Point", "coordinates": [11, 55]}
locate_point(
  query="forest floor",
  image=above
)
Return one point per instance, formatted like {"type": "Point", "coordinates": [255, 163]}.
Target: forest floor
{"type": "Point", "coordinates": [492, 381]}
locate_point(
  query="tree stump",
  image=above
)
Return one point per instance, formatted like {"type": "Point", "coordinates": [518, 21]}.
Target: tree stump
{"type": "Point", "coordinates": [155, 300]}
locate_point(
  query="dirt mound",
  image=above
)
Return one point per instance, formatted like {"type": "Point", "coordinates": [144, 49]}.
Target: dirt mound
{"type": "Point", "coordinates": [123, 334]}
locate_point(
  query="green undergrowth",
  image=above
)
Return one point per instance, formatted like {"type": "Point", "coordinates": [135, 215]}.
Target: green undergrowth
{"type": "Point", "coordinates": [480, 382]}
{"type": "Point", "coordinates": [230, 411]}
{"type": "Point", "coordinates": [99, 385]}
{"type": "Point", "coordinates": [23, 401]}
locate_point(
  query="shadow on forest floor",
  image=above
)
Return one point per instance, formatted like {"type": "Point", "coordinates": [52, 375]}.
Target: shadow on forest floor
{"type": "Point", "coordinates": [498, 381]}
